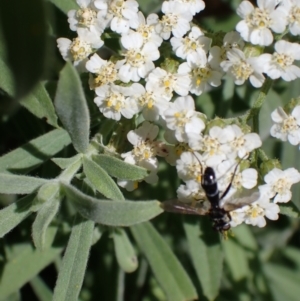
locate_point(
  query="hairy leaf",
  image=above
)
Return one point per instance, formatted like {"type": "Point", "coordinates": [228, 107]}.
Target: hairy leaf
{"type": "Point", "coordinates": [112, 213]}
{"type": "Point", "coordinates": [72, 109]}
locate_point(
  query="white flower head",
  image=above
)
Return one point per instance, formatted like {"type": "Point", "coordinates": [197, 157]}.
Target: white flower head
{"type": "Point", "coordinates": [166, 82]}
{"type": "Point", "coordinates": [182, 118]}
{"type": "Point", "coordinates": [139, 57]}
{"type": "Point", "coordinates": [203, 77]}
{"type": "Point", "coordinates": [145, 150]}
{"type": "Point", "coordinates": [278, 184]}
{"type": "Point", "coordinates": [87, 16]}
{"type": "Point", "coordinates": [242, 144]}
{"type": "Point", "coordinates": [194, 6]}
{"type": "Point", "coordinates": [176, 19]}
{"type": "Point", "coordinates": [256, 212]}
{"type": "Point", "coordinates": [280, 63]}
{"type": "Point", "coordinates": [80, 48]}
{"type": "Point", "coordinates": [258, 21]}
{"type": "Point", "coordinates": [293, 9]}
{"type": "Point", "coordinates": [218, 54]}
{"type": "Point", "coordinates": [241, 68]}
{"type": "Point", "coordinates": [146, 28]}
{"type": "Point", "coordinates": [116, 101]}
{"type": "Point", "coordinates": [191, 44]}
{"type": "Point", "coordinates": [286, 127]}
{"type": "Point", "coordinates": [105, 71]}
{"type": "Point", "coordinates": [121, 14]}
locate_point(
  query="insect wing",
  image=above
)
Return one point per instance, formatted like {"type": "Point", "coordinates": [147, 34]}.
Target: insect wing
{"type": "Point", "coordinates": [236, 202]}
{"type": "Point", "coordinates": [175, 206]}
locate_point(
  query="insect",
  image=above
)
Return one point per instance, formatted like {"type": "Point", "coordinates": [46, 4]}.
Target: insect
{"type": "Point", "coordinates": [219, 213]}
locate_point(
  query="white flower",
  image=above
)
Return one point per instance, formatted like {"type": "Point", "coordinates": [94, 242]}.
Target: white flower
{"type": "Point", "coordinates": [278, 184]}
{"type": "Point", "coordinates": [218, 54]}
{"type": "Point", "coordinates": [293, 8]}
{"type": "Point", "coordinates": [122, 15]}
{"type": "Point", "coordinates": [242, 68]}
{"type": "Point", "coordinates": [114, 101]}
{"type": "Point", "coordinates": [88, 16]}
{"type": "Point", "coordinates": [105, 71]}
{"type": "Point", "coordinates": [189, 167]}
{"type": "Point", "coordinates": [191, 192]}
{"type": "Point", "coordinates": [242, 144]}
{"type": "Point", "coordinates": [286, 127]}
{"type": "Point", "coordinates": [80, 48]}
{"type": "Point", "coordinates": [194, 6]}
{"type": "Point", "coordinates": [194, 42]}
{"type": "Point", "coordinates": [152, 104]}
{"type": "Point", "coordinates": [144, 152]}
{"type": "Point", "coordinates": [176, 19]}
{"type": "Point", "coordinates": [182, 118]}
{"type": "Point", "coordinates": [147, 29]}
{"type": "Point", "coordinates": [166, 82]}
{"type": "Point", "coordinates": [202, 76]}
{"type": "Point", "coordinates": [256, 212]}
{"type": "Point", "coordinates": [139, 57]}
{"type": "Point", "coordinates": [255, 27]}
{"type": "Point", "coordinates": [280, 63]}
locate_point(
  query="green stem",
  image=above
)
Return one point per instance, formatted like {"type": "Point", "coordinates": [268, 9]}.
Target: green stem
{"type": "Point", "coordinates": [253, 113]}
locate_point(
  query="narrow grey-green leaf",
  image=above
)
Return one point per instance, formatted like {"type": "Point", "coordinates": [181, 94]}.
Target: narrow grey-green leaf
{"type": "Point", "coordinates": [112, 213]}
{"type": "Point", "coordinates": [124, 250]}
{"type": "Point", "coordinates": [236, 259]}
{"type": "Point", "coordinates": [13, 184]}
{"type": "Point", "coordinates": [24, 28]}
{"type": "Point", "coordinates": [283, 282]}
{"type": "Point", "coordinates": [41, 289]}
{"type": "Point", "coordinates": [14, 214]}
{"type": "Point", "coordinates": [206, 254]}
{"type": "Point", "coordinates": [69, 173]}
{"type": "Point", "coordinates": [39, 103]}
{"type": "Point", "coordinates": [120, 169]}
{"type": "Point", "coordinates": [72, 109]}
{"type": "Point", "coordinates": [24, 265]}
{"type": "Point", "coordinates": [63, 163]}
{"type": "Point", "coordinates": [65, 5]}
{"type": "Point", "coordinates": [101, 180]}
{"type": "Point", "coordinates": [289, 209]}
{"type": "Point", "coordinates": [167, 269]}
{"type": "Point", "coordinates": [34, 153]}
{"type": "Point", "coordinates": [71, 273]}
{"type": "Point", "coordinates": [44, 217]}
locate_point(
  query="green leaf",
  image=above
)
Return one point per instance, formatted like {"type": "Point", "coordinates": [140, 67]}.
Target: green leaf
{"type": "Point", "coordinates": [63, 163]}
{"type": "Point", "coordinates": [34, 153]}
{"type": "Point", "coordinates": [124, 250]}
{"type": "Point", "coordinates": [120, 169]}
{"type": "Point", "coordinates": [14, 214]}
{"type": "Point", "coordinates": [289, 209]}
{"type": "Point", "coordinates": [69, 173]}
{"type": "Point", "coordinates": [237, 260]}
{"type": "Point", "coordinates": [40, 104]}
{"type": "Point", "coordinates": [112, 213]}
{"type": "Point", "coordinates": [101, 180]}
{"type": "Point", "coordinates": [72, 109]}
{"type": "Point", "coordinates": [41, 289]}
{"type": "Point", "coordinates": [283, 282]}
{"type": "Point", "coordinates": [6, 78]}
{"type": "Point", "coordinates": [206, 253]}
{"type": "Point", "coordinates": [26, 263]}
{"type": "Point", "coordinates": [13, 184]}
{"type": "Point", "coordinates": [65, 5]}
{"type": "Point", "coordinates": [46, 214]}
{"type": "Point", "coordinates": [167, 269]}
{"type": "Point", "coordinates": [74, 263]}
{"type": "Point", "coordinates": [24, 28]}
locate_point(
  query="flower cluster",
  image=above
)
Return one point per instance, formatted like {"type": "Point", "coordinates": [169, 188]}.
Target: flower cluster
{"type": "Point", "coordinates": [137, 81]}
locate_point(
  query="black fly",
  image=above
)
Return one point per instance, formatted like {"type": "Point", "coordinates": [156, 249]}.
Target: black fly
{"type": "Point", "coordinates": [220, 215]}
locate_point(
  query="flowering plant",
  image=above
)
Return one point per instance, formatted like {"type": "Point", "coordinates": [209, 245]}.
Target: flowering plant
{"type": "Point", "coordinates": [143, 102]}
